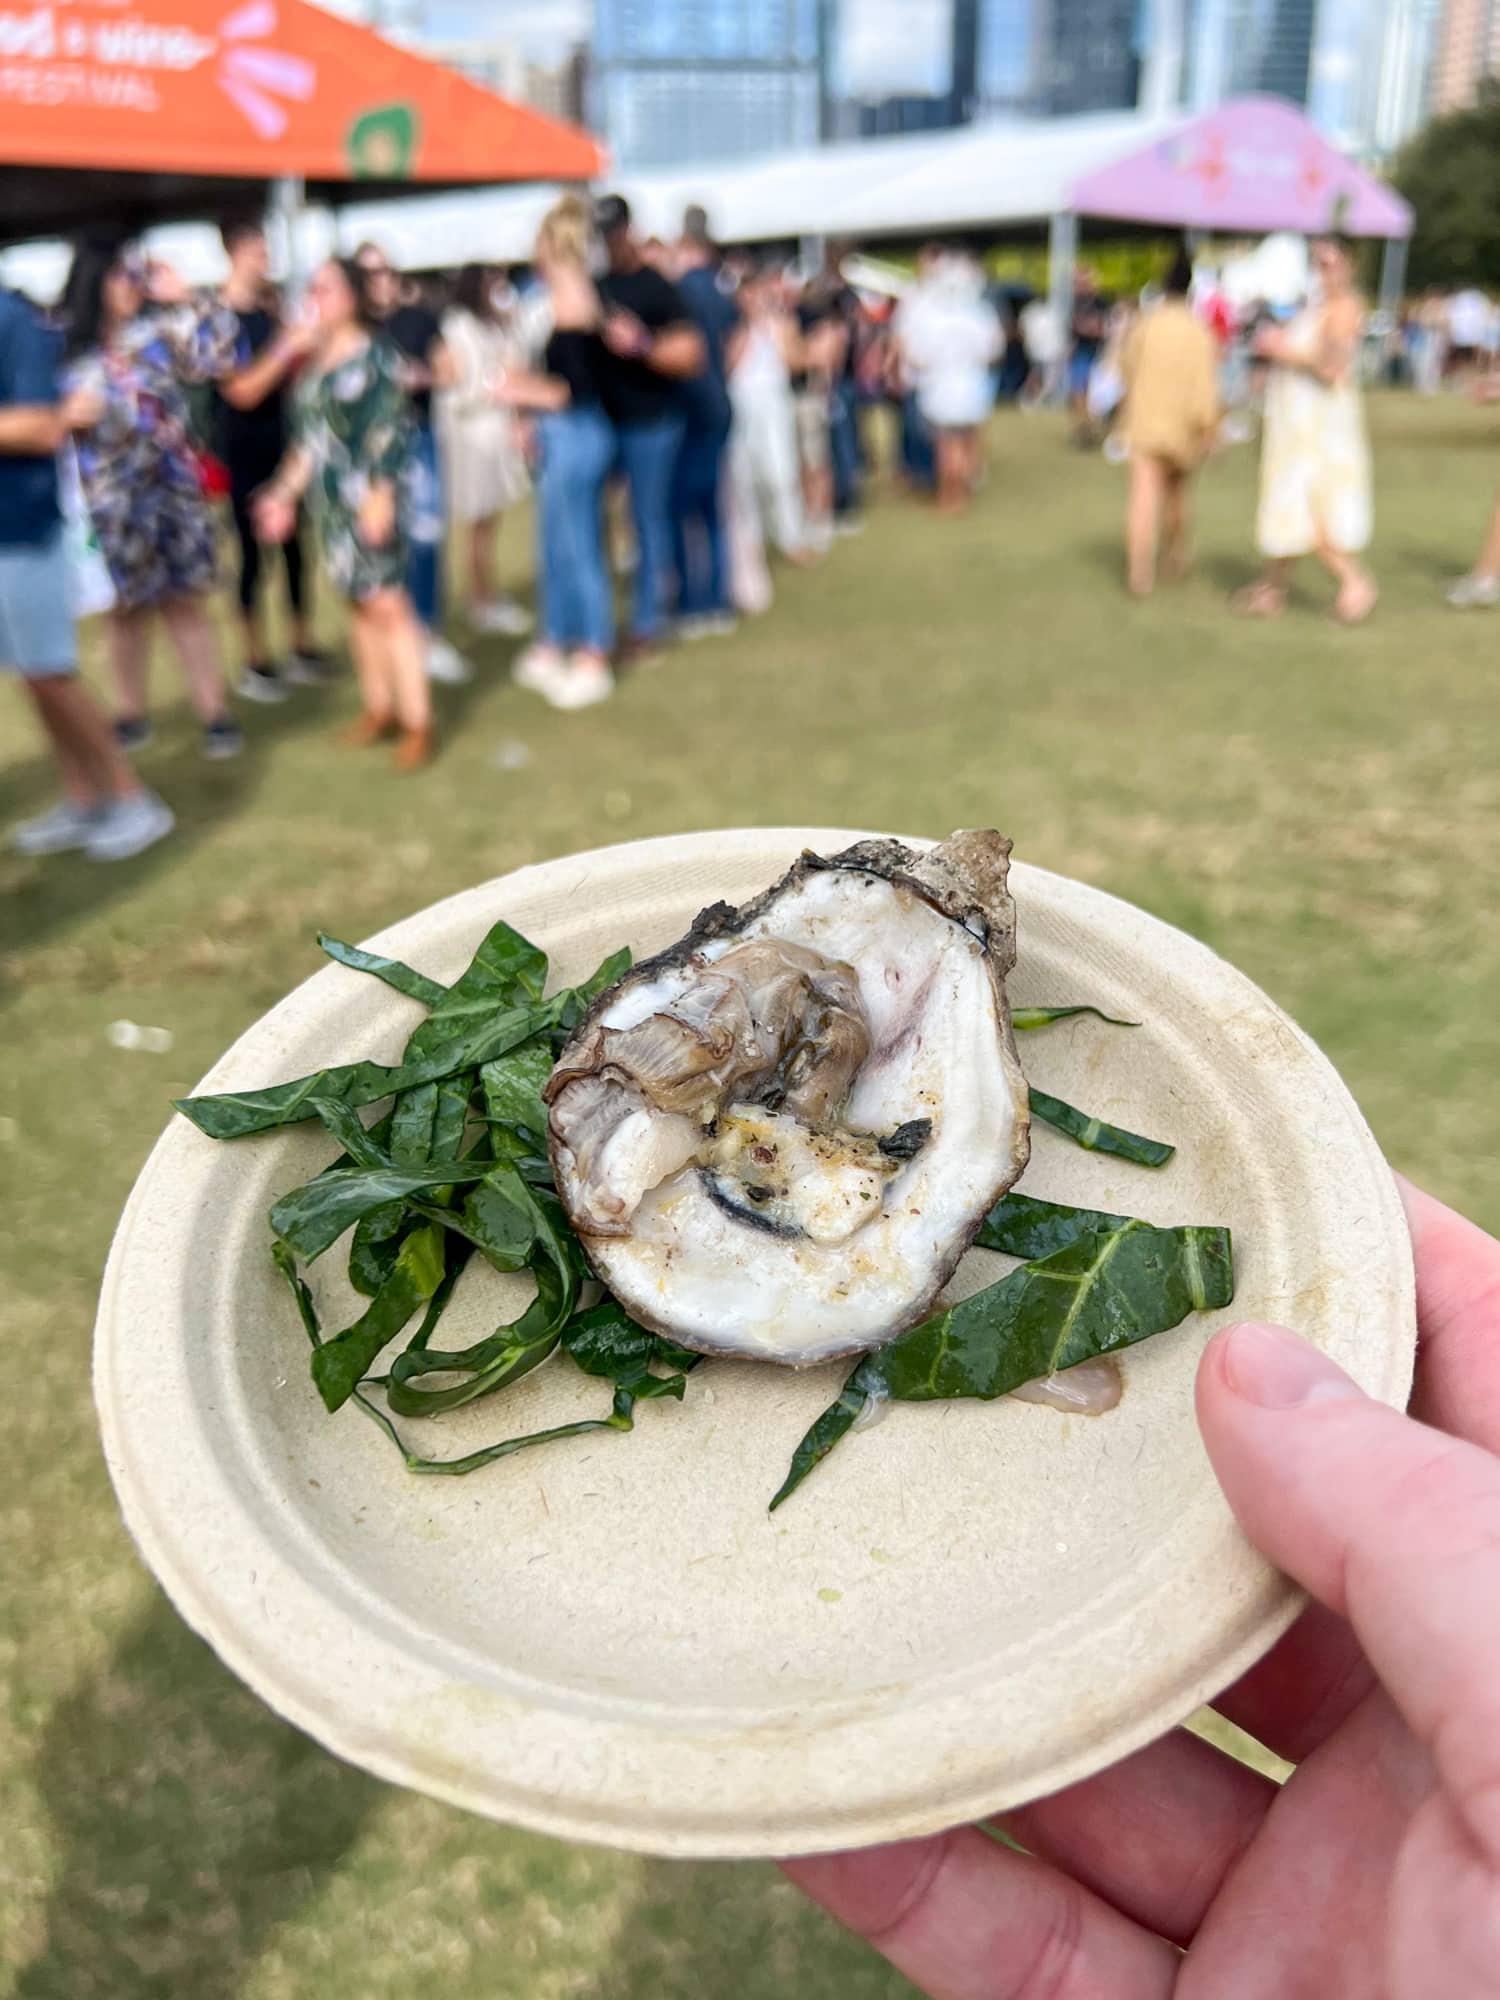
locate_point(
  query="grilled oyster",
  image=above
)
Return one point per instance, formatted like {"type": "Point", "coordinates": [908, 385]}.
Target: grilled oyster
{"type": "Point", "coordinates": [777, 1139]}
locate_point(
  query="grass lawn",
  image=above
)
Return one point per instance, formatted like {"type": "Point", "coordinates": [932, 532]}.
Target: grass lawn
{"type": "Point", "coordinates": [1319, 805]}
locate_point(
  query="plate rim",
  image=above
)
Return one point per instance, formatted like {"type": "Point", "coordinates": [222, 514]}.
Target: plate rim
{"type": "Point", "coordinates": [813, 1826]}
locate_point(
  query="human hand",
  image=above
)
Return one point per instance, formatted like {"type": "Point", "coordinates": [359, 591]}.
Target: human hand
{"type": "Point", "coordinates": [377, 516]}
{"type": "Point", "coordinates": [81, 410]}
{"type": "Point", "coordinates": [297, 338]}
{"type": "Point", "coordinates": [274, 514]}
{"type": "Point", "coordinates": [624, 334]}
{"type": "Point", "coordinates": [1376, 1869]}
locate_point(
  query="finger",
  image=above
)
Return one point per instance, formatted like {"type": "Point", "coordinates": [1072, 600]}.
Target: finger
{"type": "Point", "coordinates": [1156, 1834]}
{"type": "Point", "coordinates": [1391, 1524]}
{"type": "Point", "coordinates": [1458, 1312]}
{"type": "Point", "coordinates": [967, 1919]}
{"type": "Point", "coordinates": [1306, 1686]}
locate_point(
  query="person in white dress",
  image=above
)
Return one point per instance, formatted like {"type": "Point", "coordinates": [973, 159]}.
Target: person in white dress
{"type": "Point", "coordinates": [764, 477]}
{"type": "Point", "coordinates": [1315, 496]}
{"type": "Point", "coordinates": [486, 470]}
{"type": "Point", "coordinates": [950, 342]}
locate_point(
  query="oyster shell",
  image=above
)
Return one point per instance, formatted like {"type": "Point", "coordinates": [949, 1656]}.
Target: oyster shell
{"type": "Point", "coordinates": [777, 1138]}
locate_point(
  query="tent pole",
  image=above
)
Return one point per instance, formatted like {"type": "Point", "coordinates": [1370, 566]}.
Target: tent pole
{"type": "Point", "coordinates": [1393, 273]}
{"type": "Point", "coordinates": [285, 207]}
{"type": "Point", "coordinates": [1062, 257]}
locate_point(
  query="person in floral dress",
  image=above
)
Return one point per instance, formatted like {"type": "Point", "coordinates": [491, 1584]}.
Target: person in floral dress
{"type": "Point", "coordinates": [352, 456]}
{"type": "Point", "coordinates": [134, 339]}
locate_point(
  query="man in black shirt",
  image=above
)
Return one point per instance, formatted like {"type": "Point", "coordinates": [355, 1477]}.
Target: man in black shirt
{"type": "Point", "coordinates": [414, 328]}
{"type": "Point", "coordinates": [654, 348]}
{"type": "Point", "coordinates": [253, 435]}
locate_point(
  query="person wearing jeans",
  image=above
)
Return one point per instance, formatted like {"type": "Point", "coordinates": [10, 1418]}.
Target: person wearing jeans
{"type": "Point", "coordinates": [578, 454]}
{"type": "Point", "coordinates": [703, 603]}
{"type": "Point", "coordinates": [654, 348]}
{"type": "Point", "coordinates": [568, 665]}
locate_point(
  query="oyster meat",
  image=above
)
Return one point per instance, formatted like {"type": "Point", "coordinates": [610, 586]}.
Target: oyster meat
{"type": "Point", "coordinates": [777, 1138]}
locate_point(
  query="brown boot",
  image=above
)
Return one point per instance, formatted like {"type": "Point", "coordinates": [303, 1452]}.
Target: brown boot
{"type": "Point", "coordinates": [367, 729]}
{"type": "Point", "coordinates": [414, 750]}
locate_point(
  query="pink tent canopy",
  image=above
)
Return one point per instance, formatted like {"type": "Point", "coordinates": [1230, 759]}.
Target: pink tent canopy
{"type": "Point", "coordinates": [1255, 164]}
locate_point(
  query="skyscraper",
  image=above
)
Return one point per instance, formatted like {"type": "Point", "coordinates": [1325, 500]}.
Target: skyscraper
{"type": "Point", "coordinates": [1013, 37]}
{"type": "Point", "coordinates": [1237, 46]}
{"type": "Point", "coordinates": [1368, 81]}
{"type": "Point", "coordinates": [1090, 58]}
{"type": "Point", "coordinates": [685, 80]}
{"type": "Point", "coordinates": [1467, 52]}
{"type": "Point", "coordinates": [964, 70]}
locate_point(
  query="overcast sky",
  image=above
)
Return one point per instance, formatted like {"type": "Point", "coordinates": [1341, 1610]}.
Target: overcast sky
{"type": "Point", "coordinates": [887, 44]}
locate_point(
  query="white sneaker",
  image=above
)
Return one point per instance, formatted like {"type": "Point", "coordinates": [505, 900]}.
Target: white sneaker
{"type": "Point", "coordinates": [581, 684]}
{"type": "Point", "coordinates": [1473, 593]}
{"type": "Point", "coordinates": [130, 826]}
{"type": "Point", "coordinates": [61, 831]}
{"type": "Point", "coordinates": [819, 537]}
{"type": "Point", "coordinates": [720, 625]}
{"type": "Point", "coordinates": [693, 626]}
{"type": "Point", "coordinates": [538, 670]}
{"type": "Point", "coordinates": [445, 663]}
{"type": "Point", "coordinates": [504, 617]}
{"type": "Point", "coordinates": [261, 684]}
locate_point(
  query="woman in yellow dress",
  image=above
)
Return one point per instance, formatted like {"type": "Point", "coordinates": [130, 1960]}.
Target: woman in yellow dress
{"type": "Point", "coordinates": [1170, 371]}
{"type": "Point", "coordinates": [1315, 456]}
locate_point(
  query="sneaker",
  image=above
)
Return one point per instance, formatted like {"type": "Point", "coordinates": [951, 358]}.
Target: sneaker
{"type": "Point", "coordinates": [132, 731]}
{"type": "Point", "coordinates": [1473, 593]}
{"type": "Point", "coordinates": [222, 739]}
{"type": "Point", "coordinates": [848, 524]}
{"type": "Point", "coordinates": [1116, 450]}
{"type": "Point", "coordinates": [60, 831]}
{"type": "Point", "coordinates": [445, 663]}
{"type": "Point", "coordinates": [129, 827]}
{"type": "Point", "coordinates": [261, 684]}
{"type": "Point", "coordinates": [693, 626]}
{"type": "Point", "coordinates": [309, 669]}
{"type": "Point", "coordinates": [581, 683]}
{"type": "Point", "coordinates": [538, 670]}
{"type": "Point", "coordinates": [819, 537]}
{"type": "Point", "coordinates": [720, 625]}
{"type": "Point", "coordinates": [504, 617]}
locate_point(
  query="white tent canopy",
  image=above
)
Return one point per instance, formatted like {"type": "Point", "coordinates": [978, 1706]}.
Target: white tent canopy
{"type": "Point", "coordinates": [983, 177]}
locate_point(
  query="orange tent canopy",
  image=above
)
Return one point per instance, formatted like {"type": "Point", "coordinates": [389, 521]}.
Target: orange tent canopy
{"type": "Point", "coordinates": [259, 89]}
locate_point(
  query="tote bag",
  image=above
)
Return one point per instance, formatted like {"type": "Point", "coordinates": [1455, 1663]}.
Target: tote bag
{"type": "Point", "coordinates": [93, 587]}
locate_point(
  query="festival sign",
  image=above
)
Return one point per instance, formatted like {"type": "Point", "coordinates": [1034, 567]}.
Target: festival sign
{"type": "Point", "coordinates": [255, 87]}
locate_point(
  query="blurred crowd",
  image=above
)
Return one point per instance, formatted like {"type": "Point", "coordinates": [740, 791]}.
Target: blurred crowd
{"type": "Point", "coordinates": [680, 420]}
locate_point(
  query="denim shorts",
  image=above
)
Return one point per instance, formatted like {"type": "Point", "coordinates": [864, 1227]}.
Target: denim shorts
{"type": "Point", "coordinates": [37, 638]}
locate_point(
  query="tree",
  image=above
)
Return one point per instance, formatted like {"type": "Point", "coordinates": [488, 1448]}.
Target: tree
{"type": "Point", "coordinates": [1450, 173]}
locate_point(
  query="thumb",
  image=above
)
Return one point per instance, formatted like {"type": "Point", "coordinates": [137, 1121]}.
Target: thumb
{"type": "Point", "coordinates": [1393, 1525]}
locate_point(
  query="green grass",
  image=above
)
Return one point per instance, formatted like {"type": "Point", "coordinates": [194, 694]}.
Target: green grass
{"type": "Point", "coordinates": [1320, 805]}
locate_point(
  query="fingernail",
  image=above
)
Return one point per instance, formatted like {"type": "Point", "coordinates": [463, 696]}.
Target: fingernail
{"type": "Point", "coordinates": [1280, 1371]}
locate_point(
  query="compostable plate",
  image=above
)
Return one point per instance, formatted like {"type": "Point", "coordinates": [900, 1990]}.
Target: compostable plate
{"type": "Point", "coordinates": [610, 1638]}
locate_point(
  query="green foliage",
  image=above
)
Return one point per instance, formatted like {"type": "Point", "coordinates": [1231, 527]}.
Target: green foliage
{"type": "Point", "coordinates": [1450, 173]}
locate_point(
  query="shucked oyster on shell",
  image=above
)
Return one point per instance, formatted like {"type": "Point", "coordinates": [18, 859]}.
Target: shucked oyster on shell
{"type": "Point", "coordinates": [777, 1139]}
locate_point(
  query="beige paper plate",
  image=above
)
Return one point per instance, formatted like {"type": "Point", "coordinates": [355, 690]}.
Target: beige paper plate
{"type": "Point", "coordinates": [610, 1638]}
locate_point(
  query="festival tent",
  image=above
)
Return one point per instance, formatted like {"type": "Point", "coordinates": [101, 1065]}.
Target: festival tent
{"type": "Point", "coordinates": [1253, 166]}
{"type": "Point", "coordinates": [155, 107]}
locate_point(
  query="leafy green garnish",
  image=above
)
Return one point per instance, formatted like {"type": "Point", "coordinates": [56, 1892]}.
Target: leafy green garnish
{"type": "Point", "coordinates": [1095, 1136]}
{"type": "Point", "coordinates": [1104, 1289]}
{"type": "Point", "coordinates": [458, 1164]}
{"type": "Point", "coordinates": [1023, 1018]}
{"type": "Point", "coordinates": [415, 985]}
